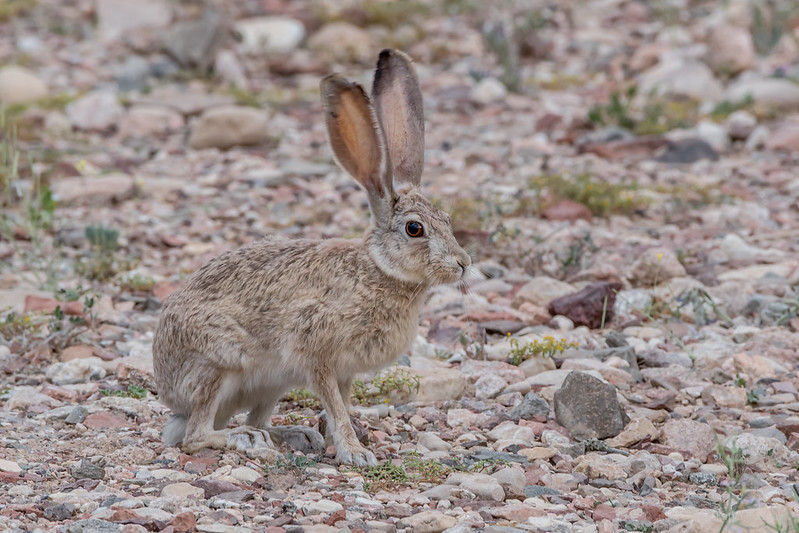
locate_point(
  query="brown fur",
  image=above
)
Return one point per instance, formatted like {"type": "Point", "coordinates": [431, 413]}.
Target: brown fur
{"type": "Point", "coordinates": [279, 313]}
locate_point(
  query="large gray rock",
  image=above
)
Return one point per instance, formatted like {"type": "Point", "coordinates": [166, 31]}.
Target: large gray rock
{"type": "Point", "coordinates": [532, 405]}
{"type": "Point", "coordinates": [588, 408]}
{"type": "Point", "coordinates": [193, 43]}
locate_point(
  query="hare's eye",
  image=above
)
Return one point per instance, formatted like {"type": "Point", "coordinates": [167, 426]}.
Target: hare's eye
{"type": "Point", "coordinates": [414, 229]}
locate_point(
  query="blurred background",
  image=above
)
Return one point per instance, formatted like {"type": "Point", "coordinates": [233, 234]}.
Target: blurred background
{"type": "Point", "coordinates": [140, 139]}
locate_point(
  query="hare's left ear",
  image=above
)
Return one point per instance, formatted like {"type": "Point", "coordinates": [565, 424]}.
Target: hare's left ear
{"type": "Point", "coordinates": [397, 100]}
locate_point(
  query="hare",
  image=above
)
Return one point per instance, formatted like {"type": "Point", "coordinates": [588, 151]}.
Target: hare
{"type": "Point", "coordinates": [280, 313]}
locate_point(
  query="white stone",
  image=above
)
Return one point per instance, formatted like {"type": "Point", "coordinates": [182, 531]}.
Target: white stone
{"type": "Point", "coordinates": [96, 111]}
{"type": "Point", "coordinates": [488, 91]}
{"type": "Point", "coordinates": [9, 466]}
{"type": "Point", "coordinates": [270, 34]}
{"type": "Point", "coordinates": [774, 91]}
{"type": "Point", "coordinates": [19, 85]}
{"type": "Point", "coordinates": [182, 491]}
{"type": "Point", "coordinates": [322, 507]}
{"type": "Point", "coordinates": [245, 474]}
{"type": "Point", "coordinates": [433, 442]}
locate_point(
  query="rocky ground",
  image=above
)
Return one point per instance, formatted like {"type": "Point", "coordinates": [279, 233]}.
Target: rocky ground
{"type": "Point", "coordinates": [623, 174]}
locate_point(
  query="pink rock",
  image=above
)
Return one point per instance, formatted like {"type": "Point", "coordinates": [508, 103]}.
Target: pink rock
{"type": "Point", "coordinates": [567, 210]}
{"type": "Point", "coordinates": [104, 419]}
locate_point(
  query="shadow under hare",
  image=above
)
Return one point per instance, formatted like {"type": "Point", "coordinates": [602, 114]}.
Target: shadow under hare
{"type": "Point", "coordinates": [277, 313]}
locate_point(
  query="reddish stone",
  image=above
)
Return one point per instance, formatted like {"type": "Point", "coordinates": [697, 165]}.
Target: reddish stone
{"type": "Point", "coordinates": [77, 352]}
{"type": "Point", "coordinates": [48, 305]}
{"type": "Point", "coordinates": [104, 419]}
{"type": "Point", "coordinates": [59, 393]}
{"type": "Point", "coordinates": [653, 512]}
{"type": "Point", "coordinates": [567, 210]}
{"type": "Point", "coordinates": [789, 426]}
{"type": "Point", "coordinates": [123, 515]}
{"type": "Point", "coordinates": [638, 148]}
{"type": "Point", "coordinates": [184, 522]}
{"type": "Point", "coordinates": [275, 529]}
{"type": "Point", "coordinates": [533, 475]}
{"type": "Point", "coordinates": [339, 515]}
{"type": "Point", "coordinates": [604, 511]}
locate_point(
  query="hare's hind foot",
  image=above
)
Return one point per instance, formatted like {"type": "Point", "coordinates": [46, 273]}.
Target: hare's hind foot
{"type": "Point", "coordinates": [240, 439]}
{"type": "Point", "coordinates": [300, 438]}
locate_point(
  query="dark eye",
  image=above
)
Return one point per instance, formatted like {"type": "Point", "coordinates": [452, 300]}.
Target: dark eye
{"type": "Point", "coordinates": [414, 229]}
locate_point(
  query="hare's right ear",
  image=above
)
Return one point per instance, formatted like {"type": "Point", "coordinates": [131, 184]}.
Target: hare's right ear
{"type": "Point", "coordinates": [398, 102]}
{"type": "Point", "coordinates": [357, 140]}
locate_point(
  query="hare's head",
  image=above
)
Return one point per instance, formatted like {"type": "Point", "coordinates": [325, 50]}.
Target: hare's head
{"type": "Point", "coordinates": [381, 144]}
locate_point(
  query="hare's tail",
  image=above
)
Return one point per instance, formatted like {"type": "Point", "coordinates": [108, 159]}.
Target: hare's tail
{"type": "Point", "coordinates": [174, 430]}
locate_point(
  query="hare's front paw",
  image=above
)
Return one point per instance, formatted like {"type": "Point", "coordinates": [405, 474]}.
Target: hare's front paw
{"type": "Point", "coordinates": [356, 455]}
{"type": "Point", "coordinates": [245, 437]}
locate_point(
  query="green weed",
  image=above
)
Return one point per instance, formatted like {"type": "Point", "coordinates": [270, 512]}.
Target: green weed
{"type": "Point", "coordinates": [133, 391]}
{"type": "Point", "coordinates": [601, 198]}
{"type": "Point", "coordinates": [547, 347]}
{"type": "Point", "coordinates": [378, 388]}
{"type": "Point", "coordinates": [303, 398]}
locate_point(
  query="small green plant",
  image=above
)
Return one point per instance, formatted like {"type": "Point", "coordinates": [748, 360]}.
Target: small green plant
{"type": "Point", "coordinates": [412, 469]}
{"type": "Point", "coordinates": [386, 475]}
{"type": "Point", "coordinates": [101, 263]}
{"type": "Point", "coordinates": [616, 111]}
{"type": "Point", "coordinates": [428, 470]}
{"type": "Point", "coordinates": [740, 381]}
{"type": "Point", "coordinates": [378, 388]}
{"type": "Point", "coordinates": [752, 397]}
{"type": "Point", "coordinates": [295, 462]}
{"type": "Point", "coordinates": [303, 398]}
{"type": "Point", "coordinates": [601, 198]}
{"type": "Point", "coordinates": [547, 347]}
{"type": "Point", "coordinates": [133, 391]}
{"type": "Point", "coordinates": [726, 108]}
{"type": "Point", "coordinates": [136, 283]}
{"type": "Point", "coordinates": [732, 457]}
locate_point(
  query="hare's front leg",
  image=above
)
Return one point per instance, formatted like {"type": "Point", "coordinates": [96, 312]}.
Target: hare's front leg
{"type": "Point", "coordinates": [348, 449]}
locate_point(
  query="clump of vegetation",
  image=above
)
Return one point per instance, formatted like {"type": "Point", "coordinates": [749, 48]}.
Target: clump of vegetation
{"type": "Point", "coordinates": [733, 458]}
{"type": "Point", "coordinates": [725, 108]}
{"type": "Point", "coordinates": [101, 263]}
{"type": "Point", "coordinates": [56, 329]}
{"type": "Point", "coordinates": [770, 21]}
{"type": "Point", "coordinates": [370, 392]}
{"type": "Point", "coordinates": [378, 388]}
{"type": "Point", "coordinates": [136, 283]}
{"type": "Point", "coordinates": [303, 398]}
{"type": "Point", "coordinates": [601, 198]}
{"type": "Point", "coordinates": [413, 469]}
{"type": "Point", "coordinates": [294, 462]}
{"type": "Point", "coordinates": [657, 115]}
{"type": "Point", "coordinates": [133, 391]}
{"type": "Point", "coordinates": [10, 9]}
{"type": "Point", "coordinates": [547, 347]}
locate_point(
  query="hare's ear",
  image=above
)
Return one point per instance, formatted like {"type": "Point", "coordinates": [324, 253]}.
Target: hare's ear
{"type": "Point", "coordinates": [356, 139]}
{"type": "Point", "coordinates": [398, 101]}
